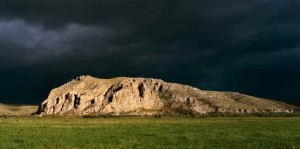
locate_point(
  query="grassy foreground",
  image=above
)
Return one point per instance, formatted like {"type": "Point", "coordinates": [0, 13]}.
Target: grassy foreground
{"type": "Point", "coordinates": [218, 132]}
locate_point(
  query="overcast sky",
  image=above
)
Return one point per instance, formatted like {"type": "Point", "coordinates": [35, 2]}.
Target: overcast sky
{"type": "Point", "coordinates": [247, 46]}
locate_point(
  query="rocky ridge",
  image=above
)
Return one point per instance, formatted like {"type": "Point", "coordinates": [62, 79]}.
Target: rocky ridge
{"type": "Point", "coordinates": [87, 95]}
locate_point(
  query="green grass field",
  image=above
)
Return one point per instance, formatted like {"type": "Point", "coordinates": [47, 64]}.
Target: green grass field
{"type": "Point", "coordinates": [218, 132]}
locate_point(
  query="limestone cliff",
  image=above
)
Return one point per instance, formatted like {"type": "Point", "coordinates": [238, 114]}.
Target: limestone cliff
{"type": "Point", "coordinates": [146, 96]}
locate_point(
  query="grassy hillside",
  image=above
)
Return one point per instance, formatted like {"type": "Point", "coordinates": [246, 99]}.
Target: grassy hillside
{"type": "Point", "coordinates": [17, 110]}
{"type": "Point", "coordinates": [41, 132]}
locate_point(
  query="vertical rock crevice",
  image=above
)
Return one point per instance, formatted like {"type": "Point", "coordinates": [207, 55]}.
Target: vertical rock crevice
{"type": "Point", "coordinates": [109, 94]}
{"type": "Point", "coordinates": [93, 102]}
{"type": "Point", "coordinates": [76, 101]}
{"type": "Point", "coordinates": [110, 98]}
{"type": "Point", "coordinates": [57, 100]}
{"type": "Point", "coordinates": [68, 97]}
{"type": "Point", "coordinates": [160, 89]}
{"type": "Point", "coordinates": [141, 89]}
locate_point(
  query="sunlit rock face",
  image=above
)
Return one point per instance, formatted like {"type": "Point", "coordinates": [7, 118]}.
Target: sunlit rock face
{"type": "Point", "coordinates": [87, 95]}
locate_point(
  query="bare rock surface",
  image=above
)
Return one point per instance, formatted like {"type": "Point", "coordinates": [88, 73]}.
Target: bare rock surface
{"type": "Point", "coordinates": [87, 95]}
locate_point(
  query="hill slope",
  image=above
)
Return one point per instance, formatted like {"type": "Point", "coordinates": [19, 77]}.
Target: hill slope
{"type": "Point", "coordinates": [146, 96]}
{"type": "Point", "coordinates": [17, 110]}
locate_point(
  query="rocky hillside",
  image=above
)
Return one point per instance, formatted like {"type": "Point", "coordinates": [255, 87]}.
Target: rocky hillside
{"type": "Point", "coordinates": [146, 96]}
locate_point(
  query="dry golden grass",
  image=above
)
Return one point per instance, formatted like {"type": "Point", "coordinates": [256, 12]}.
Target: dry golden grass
{"type": "Point", "coordinates": [17, 110]}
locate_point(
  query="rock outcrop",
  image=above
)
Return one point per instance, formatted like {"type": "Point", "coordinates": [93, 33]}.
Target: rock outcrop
{"type": "Point", "coordinates": [146, 96]}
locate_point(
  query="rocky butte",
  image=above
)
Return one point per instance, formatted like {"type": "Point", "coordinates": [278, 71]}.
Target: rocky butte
{"type": "Point", "coordinates": [87, 95]}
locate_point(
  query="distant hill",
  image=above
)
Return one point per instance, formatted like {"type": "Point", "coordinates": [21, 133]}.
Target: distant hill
{"type": "Point", "coordinates": [87, 95]}
{"type": "Point", "coordinates": [17, 110]}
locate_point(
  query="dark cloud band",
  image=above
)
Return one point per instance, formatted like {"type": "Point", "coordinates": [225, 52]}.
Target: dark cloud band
{"type": "Point", "coordinates": [244, 46]}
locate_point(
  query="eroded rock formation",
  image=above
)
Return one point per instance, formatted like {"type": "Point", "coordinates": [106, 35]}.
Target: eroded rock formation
{"type": "Point", "coordinates": [145, 96]}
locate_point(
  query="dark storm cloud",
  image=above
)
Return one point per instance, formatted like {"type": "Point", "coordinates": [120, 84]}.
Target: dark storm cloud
{"type": "Point", "coordinates": [33, 42]}
{"type": "Point", "coordinates": [244, 46]}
